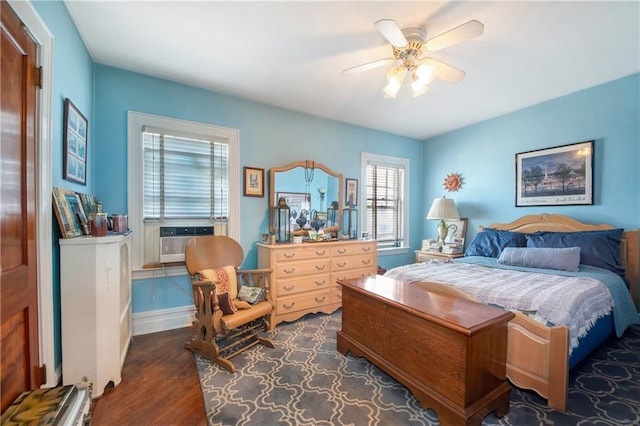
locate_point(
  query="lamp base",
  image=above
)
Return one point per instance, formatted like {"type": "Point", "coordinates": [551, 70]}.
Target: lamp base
{"type": "Point", "coordinates": [443, 230]}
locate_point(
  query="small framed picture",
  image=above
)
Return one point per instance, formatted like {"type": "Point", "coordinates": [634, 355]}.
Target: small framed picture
{"type": "Point", "coordinates": [457, 230]}
{"type": "Point", "coordinates": [75, 144]}
{"type": "Point", "coordinates": [253, 182]}
{"type": "Point", "coordinates": [70, 213]}
{"type": "Point", "coordinates": [351, 198]}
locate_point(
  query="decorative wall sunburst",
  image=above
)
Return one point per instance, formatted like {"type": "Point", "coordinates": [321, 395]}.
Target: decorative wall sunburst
{"type": "Point", "coordinates": [453, 182]}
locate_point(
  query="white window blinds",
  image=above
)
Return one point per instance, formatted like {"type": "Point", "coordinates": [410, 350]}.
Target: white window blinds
{"type": "Point", "coordinates": [384, 204]}
{"type": "Point", "coordinates": [185, 176]}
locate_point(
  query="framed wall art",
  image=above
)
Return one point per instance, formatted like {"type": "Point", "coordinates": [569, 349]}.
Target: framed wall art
{"type": "Point", "coordinates": [253, 182]}
{"type": "Point", "coordinates": [351, 198]}
{"type": "Point", "coordinates": [75, 144]}
{"type": "Point", "coordinates": [558, 176]}
{"type": "Point", "coordinates": [70, 213]}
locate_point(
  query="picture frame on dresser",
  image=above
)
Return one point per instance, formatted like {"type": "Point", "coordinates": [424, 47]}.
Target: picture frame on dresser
{"type": "Point", "coordinates": [69, 213]}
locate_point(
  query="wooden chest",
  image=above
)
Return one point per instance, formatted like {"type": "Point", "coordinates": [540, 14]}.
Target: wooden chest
{"type": "Point", "coordinates": [450, 353]}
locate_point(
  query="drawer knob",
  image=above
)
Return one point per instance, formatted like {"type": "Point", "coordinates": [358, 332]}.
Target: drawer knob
{"type": "Point", "coordinates": [320, 253]}
{"type": "Point", "coordinates": [366, 261]}
{"type": "Point", "coordinates": [342, 251]}
{"type": "Point", "coordinates": [320, 267]}
{"type": "Point", "coordinates": [320, 282]}
{"type": "Point", "coordinates": [320, 299]}
{"type": "Point", "coordinates": [288, 305]}
{"type": "Point", "coordinates": [367, 249]}
{"type": "Point", "coordinates": [289, 287]}
{"type": "Point", "coordinates": [289, 271]}
{"type": "Point", "coordinates": [289, 255]}
{"type": "Point", "coordinates": [342, 265]}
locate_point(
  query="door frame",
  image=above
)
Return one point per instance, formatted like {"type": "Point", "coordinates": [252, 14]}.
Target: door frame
{"type": "Point", "coordinates": [44, 211]}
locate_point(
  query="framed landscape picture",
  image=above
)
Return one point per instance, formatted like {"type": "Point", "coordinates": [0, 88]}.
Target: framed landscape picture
{"type": "Point", "coordinates": [558, 176]}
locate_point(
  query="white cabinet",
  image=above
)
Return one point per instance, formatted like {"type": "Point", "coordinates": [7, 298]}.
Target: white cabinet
{"type": "Point", "coordinates": [95, 287]}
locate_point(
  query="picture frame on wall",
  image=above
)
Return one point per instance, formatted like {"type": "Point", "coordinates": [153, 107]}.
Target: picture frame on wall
{"type": "Point", "coordinates": [69, 213]}
{"type": "Point", "coordinates": [351, 192]}
{"type": "Point", "coordinates": [75, 144]}
{"type": "Point", "coordinates": [558, 176]}
{"type": "Point", "coordinates": [253, 182]}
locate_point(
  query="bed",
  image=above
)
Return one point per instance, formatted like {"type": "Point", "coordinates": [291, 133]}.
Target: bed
{"type": "Point", "coordinates": [540, 353]}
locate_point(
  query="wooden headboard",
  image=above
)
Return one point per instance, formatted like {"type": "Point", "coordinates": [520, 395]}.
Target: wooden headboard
{"type": "Point", "coordinates": [629, 249]}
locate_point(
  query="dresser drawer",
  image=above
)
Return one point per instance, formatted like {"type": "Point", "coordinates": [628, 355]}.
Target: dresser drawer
{"type": "Point", "coordinates": [308, 283]}
{"type": "Point", "coordinates": [352, 262]}
{"type": "Point", "coordinates": [302, 253]}
{"type": "Point", "coordinates": [336, 294]}
{"type": "Point", "coordinates": [306, 267]}
{"type": "Point", "coordinates": [352, 273]}
{"type": "Point", "coordinates": [307, 301]}
{"type": "Point", "coordinates": [350, 249]}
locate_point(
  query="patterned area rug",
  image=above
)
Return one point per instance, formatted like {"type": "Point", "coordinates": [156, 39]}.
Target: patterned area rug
{"type": "Point", "coordinates": [305, 381]}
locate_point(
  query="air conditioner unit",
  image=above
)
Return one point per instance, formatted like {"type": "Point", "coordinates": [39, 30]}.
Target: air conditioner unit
{"type": "Point", "coordinates": [173, 240]}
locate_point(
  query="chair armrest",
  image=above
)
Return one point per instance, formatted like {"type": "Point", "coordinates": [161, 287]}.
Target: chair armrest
{"type": "Point", "coordinates": [255, 278]}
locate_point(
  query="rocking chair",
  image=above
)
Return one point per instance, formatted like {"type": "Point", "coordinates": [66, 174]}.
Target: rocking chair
{"type": "Point", "coordinates": [232, 306]}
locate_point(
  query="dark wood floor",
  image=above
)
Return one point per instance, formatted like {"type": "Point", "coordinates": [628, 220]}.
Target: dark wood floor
{"type": "Point", "coordinates": [159, 386]}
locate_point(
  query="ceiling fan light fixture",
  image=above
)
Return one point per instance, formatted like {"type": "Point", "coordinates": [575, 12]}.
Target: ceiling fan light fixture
{"type": "Point", "coordinates": [395, 77]}
{"type": "Point", "coordinates": [425, 72]}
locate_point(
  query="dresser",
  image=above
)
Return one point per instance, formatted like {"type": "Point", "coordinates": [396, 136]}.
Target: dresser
{"type": "Point", "coordinates": [304, 276]}
{"type": "Point", "coordinates": [95, 287]}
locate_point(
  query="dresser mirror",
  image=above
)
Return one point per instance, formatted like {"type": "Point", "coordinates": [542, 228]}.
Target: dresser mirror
{"type": "Point", "coordinates": [313, 193]}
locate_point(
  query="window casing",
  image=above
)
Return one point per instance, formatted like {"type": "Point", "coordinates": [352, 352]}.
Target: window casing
{"type": "Point", "coordinates": [386, 208]}
{"type": "Point", "coordinates": [181, 173]}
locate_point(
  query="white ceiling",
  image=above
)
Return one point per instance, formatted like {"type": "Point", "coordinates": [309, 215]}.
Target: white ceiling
{"type": "Point", "coordinates": [291, 54]}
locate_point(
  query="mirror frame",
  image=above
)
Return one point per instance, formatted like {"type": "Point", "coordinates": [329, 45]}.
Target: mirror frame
{"type": "Point", "coordinates": [305, 165]}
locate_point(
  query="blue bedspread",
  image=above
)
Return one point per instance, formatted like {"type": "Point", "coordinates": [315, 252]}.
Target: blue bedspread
{"type": "Point", "coordinates": [624, 311]}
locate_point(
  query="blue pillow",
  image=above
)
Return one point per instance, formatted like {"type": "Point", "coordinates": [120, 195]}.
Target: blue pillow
{"type": "Point", "coordinates": [597, 248]}
{"type": "Point", "coordinates": [562, 259]}
{"type": "Point", "coordinates": [490, 242]}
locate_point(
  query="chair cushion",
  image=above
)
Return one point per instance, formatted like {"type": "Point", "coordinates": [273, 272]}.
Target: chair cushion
{"type": "Point", "coordinates": [244, 316]}
{"type": "Point", "coordinates": [250, 294]}
{"type": "Point", "coordinates": [226, 280]}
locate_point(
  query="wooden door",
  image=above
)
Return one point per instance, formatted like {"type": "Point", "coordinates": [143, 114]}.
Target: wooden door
{"type": "Point", "coordinates": [18, 269]}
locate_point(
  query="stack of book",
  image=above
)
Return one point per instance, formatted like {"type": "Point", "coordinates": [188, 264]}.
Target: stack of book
{"type": "Point", "coordinates": [452, 248]}
{"type": "Point", "coordinates": [430, 245]}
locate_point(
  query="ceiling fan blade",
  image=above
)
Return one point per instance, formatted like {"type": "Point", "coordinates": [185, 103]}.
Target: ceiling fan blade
{"type": "Point", "coordinates": [445, 72]}
{"type": "Point", "coordinates": [390, 30]}
{"type": "Point", "coordinates": [367, 66]}
{"type": "Point", "coordinates": [456, 36]}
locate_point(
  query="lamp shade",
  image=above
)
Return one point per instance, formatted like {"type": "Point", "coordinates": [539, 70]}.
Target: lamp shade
{"type": "Point", "coordinates": [443, 208]}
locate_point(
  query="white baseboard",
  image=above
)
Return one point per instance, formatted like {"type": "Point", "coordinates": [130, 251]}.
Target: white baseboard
{"type": "Point", "coordinates": [162, 320]}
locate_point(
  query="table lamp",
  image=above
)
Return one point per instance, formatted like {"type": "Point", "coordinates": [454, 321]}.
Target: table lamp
{"type": "Point", "coordinates": [443, 208]}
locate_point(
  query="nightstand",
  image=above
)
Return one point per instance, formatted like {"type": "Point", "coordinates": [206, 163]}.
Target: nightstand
{"type": "Point", "coordinates": [423, 256]}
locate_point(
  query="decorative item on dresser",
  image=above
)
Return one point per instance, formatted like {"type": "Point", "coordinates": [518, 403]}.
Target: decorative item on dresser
{"type": "Point", "coordinates": [303, 277]}
{"type": "Point", "coordinates": [95, 292]}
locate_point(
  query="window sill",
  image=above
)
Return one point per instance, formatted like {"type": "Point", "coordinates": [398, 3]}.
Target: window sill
{"type": "Point", "coordinates": [393, 251]}
{"type": "Point", "coordinates": [159, 270]}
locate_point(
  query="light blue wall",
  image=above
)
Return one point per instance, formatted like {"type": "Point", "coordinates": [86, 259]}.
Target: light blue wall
{"type": "Point", "coordinates": [485, 156]}
{"type": "Point", "coordinates": [73, 79]}
{"type": "Point", "coordinates": [269, 137]}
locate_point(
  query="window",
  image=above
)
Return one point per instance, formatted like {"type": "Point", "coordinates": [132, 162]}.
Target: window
{"type": "Point", "coordinates": [180, 174]}
{"type": "Point", "coordinates": [386, 213]}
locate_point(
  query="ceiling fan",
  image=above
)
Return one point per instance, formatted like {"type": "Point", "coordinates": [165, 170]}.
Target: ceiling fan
{"type": "Point", "coordinates": [410, 55]}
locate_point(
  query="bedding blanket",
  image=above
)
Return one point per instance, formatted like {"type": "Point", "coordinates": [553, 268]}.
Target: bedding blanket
{"type": "Point", "coordinates": [572, 299]}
